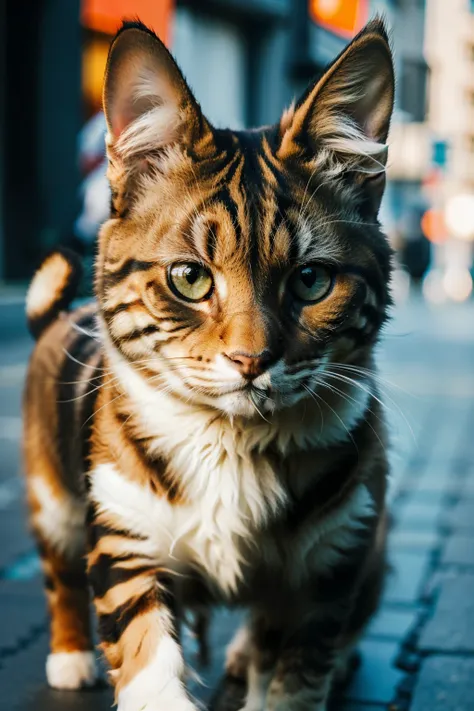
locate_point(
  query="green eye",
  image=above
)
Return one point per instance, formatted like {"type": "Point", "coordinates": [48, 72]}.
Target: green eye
{"type": "Point", "coordinates": [311, 283]}
{"type": "Point", "coordinates": [190, 281]}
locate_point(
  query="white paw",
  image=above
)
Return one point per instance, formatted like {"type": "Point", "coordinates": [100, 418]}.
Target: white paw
{"type": "Point", "coordinates": [172, 697]}
{"type": "Point", "coordinates": [161, 705]}
{"type": "Point", "coordinates": [71, 670]}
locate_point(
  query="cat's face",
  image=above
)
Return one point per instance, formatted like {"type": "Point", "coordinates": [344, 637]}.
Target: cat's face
{"type": "Point", "coordinates": [237, 267]}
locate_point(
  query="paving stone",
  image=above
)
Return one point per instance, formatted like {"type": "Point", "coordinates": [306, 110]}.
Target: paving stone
{"type": "Point", "coordinates": [450, 628]}
{"type": "Point", "coordinates": [359, 707]}
{"type": "Point", "coordinates": [223, 625]}
{"type": "Point", "coordinates": [377, 678]}
{"type": "Point", "coordinates": [460, 517]}
{"type": "Point", "coordinates": [23, 686]}
{"type": "Point", "coordinates": [414, 516]}
{"type": "Point", "coordinates": [459, 550]}
{"type": "Point", "coordinates": [22, 618]}
{"type": "Point", "coordinates": [392, 624]}
{"type": "Point", "coordinates": [10, 400]}
{"type": "Point", "coordinates": [445, 684]}
{"type": "Point", "coordinates": [14, 536]}
{"type": "Point", "coordinates": [414, 540]}
{"type": "Point", "coordinates": [440, 481]}
{"type": "Point", "coordinates": [405, 582]}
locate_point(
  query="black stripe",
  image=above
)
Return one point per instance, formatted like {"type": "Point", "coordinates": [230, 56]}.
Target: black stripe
{"type": "Point", "coordinates": [73, 579]}
{"type": "Point", "coordinates": [323, 490]}
{"type": "Point", "coordinates": [111, 278]}
{"type": "Point", "coordinates": [370, 276]}
{"type": "Point", "coordinates": [109, 313]}
{"type": "Point", "coordinates": [87, 414]}
{"type": "Point", "coordinates": [138, 333]}
{"type": "Point", "coordinates": [211, 240]}
{"type": "Point", "coordinates": [157, 467]}
{"type": "Point", "coordinates": [68, 437]}
{"type": "Point", "coordinates": [105, 574]}
{"type": "Point", "coordinates": [112, 625]}
{"type": "Point", "coordinates": [99, 530]}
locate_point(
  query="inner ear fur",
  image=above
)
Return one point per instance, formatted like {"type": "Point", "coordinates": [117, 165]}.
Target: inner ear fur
{"type": "Point", "coordinates": [348, 111]}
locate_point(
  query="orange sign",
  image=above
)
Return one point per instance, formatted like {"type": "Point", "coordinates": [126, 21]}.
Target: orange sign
{"type": "Point", "coordinates": [433, 226]}
{"type": "Point", "coordinates": [107, 15]}
{"type": "Point", "coordinates": [344, 17]}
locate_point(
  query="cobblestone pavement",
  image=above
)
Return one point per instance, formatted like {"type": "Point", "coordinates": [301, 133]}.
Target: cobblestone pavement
{"type": "Point", "coordinates": [418, 653]}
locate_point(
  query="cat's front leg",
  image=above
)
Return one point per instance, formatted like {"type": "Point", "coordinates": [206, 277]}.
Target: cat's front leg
{"type": "Point", "coordinates": [303, 675]}
{"type": "Point", "coordinates": [318, 636]}
{"type": "Point", "coordinates": [137, 625]}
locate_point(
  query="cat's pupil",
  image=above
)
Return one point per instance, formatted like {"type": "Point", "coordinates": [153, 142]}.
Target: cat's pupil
{"type": "Point", "coordinates": [191, 274]}
{"type": "Point", "coordinates": [308, 277]}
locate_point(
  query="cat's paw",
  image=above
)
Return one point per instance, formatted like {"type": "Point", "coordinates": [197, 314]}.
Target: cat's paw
{"type": "Point", "coordinates": [252, 706]}
{"type": "Point", "coordinates": [159, 704]}
{"type": "Point", "coordinates": [71, 670]}
{"type": "Point", "coordinates": [171, 698]}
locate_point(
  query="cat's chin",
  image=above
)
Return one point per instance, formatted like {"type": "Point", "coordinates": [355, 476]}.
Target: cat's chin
{"type": "Point", "coordinates": [244, 404]}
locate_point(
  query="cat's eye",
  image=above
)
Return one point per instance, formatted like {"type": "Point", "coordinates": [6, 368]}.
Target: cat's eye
{"type": "Point", "coordinates": [311, 282]}
{"type": "Point", "coordinates": [190, 281]}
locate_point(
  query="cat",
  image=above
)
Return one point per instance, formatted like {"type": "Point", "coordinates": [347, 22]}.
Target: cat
{"type": "Point", "coordinates": [209, 430]}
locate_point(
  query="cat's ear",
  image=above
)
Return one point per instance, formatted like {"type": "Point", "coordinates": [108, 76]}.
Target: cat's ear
{"type": "Point", "coordinates": [147, 103]}
{"type": "Point", "coordinates": [342, 121]}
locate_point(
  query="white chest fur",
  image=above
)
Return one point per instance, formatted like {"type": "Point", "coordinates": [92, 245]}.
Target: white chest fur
{"type": "Point", "coordinates": [231, 484]}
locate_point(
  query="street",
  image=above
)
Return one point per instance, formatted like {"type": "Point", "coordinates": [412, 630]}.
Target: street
{"type": "Point", "coordinates": [418, 653]}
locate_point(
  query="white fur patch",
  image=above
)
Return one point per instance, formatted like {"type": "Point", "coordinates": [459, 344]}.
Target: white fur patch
{"type": "Point", "coordinates": [47, 285]}
{"type": "Point", "coordinates": [158, 687]}
{"type": "Point", "coordinates": [60, 520]}
{"type": "Point", "coordinates": [71, 670]}
{"type": "Point", "coordinates": [258, 684]}
{"type": "Point", "coordinates": [231, 484]}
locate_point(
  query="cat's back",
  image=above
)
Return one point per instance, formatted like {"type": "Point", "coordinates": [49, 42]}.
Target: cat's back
{"type": "Point", "coordinates": [63, 379]}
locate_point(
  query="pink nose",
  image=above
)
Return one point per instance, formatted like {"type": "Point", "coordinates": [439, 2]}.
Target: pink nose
{"type": "Point", "coordinates": [250, 365]}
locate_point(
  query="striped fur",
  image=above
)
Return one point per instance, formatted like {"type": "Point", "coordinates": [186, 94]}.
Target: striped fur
{"type": "Point", "coordinates": [229, 449]}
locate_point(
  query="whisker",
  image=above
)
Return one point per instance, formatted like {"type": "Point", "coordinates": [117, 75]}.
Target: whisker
{"type": "Point", "coordinates": [316, 395]}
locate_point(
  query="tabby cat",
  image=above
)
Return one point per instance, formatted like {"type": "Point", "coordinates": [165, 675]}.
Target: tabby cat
{"type": "Point", "coordinates": [209, 431]}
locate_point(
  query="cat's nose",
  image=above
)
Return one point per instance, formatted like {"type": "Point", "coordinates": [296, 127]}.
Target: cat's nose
{"type": "Point", "coordinates": [251, 365]}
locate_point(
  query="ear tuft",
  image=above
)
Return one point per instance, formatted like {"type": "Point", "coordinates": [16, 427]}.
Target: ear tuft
{"type": "Point", "coordinates": [344, 118]}
{"type": "Point", "coordinates": [147, 103]}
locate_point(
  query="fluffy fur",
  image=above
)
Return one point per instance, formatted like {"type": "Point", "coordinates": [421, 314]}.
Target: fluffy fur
{"type": "Point", "coordinates": [227, 447]}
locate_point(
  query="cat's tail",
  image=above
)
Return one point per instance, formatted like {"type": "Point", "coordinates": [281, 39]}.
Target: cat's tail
{"type": "Point", "coordinates": [52, 289]}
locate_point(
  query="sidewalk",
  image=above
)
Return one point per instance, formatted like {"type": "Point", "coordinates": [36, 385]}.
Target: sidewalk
{"type": "Point", "coordinates": [418, 653]}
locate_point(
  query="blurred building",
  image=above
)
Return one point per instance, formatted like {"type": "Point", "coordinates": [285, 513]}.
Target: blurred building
{"type": "Point", "coordinates": [245, 60]}
{"type": "Point", "coordinates": [450, 54]}
{"type": "Point", "coordinates": [40, 117]}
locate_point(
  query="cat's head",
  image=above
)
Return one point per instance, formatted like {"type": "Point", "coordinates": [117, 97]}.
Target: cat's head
{"type": "Point", "coordinates": [237, 265]}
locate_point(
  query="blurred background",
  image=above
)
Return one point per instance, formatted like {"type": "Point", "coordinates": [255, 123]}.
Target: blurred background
{"type": "Point", "coordinates": [245, 60]}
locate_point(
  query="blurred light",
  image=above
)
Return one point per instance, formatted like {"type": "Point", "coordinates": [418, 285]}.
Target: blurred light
{"type": "Point", "coordinates": [400, 286]}
{"type": "Point", "coordinates": [341, 16]}
{"type": "Point", "coordinates": [94, 59]}
{"type": "Point", "coordinates": [433, 226]}
{"type": "Point", "coordinates": [107, 15]}
{"type": "Point", "coordinates": [457, 283]}
{"type": "Point", "coordinates": [433, 289]}
{"type": "Point", "coordinates": [460, 216]}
